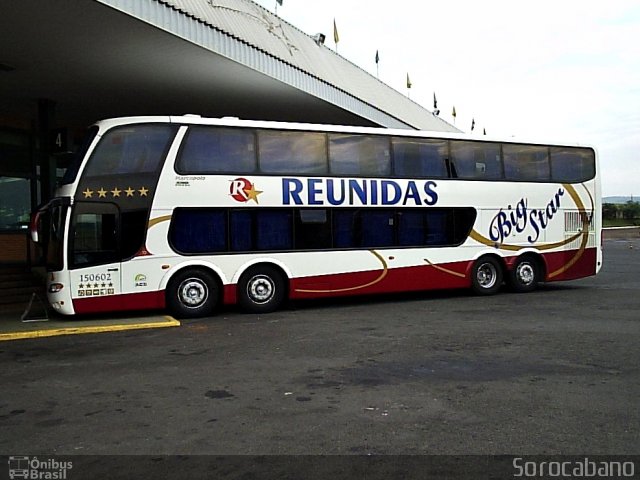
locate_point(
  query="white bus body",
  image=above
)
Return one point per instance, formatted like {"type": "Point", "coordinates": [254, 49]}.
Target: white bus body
{"type": "Point", "coordinates": [121, 237]}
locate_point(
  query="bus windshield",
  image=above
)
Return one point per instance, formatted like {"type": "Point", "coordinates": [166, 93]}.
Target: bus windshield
{"type": "Point", "coordinates": [130, 149]}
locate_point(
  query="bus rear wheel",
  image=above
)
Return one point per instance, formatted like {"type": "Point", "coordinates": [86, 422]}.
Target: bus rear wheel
{"type": "Point", "coordinates": [525, 274]}
{"type": "Point", "coordinates": [486, 276]}
{"type": "Point", "coordinates": [261, 289]}
{"type": "Point", "coordinates": [192, 293]}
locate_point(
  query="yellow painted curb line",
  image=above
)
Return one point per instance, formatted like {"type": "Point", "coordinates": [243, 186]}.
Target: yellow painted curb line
{"type": "Point", "coordinates": [54, 332]}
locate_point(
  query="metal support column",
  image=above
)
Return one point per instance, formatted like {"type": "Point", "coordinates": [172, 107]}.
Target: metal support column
{"type": "Point", "coordinates": [46, 114]}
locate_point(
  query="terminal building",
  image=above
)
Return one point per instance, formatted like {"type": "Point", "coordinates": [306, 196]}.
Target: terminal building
{"type": "Point", "coordinates": [64, 65]}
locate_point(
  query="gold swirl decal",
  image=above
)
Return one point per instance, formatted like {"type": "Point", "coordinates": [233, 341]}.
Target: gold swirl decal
{"type": "Point", "coordinates": [478, 237]}
{"type": "Point", "coordinates": [154, 221]}
{"type": "Point", "coordinates": [515, 248]}
{"type": "Point", "coordinates": [385, 270]}
{"type": "Point", "coordinates": [445, 270]}
{"type": "Point", "coordinates": [585, 230]}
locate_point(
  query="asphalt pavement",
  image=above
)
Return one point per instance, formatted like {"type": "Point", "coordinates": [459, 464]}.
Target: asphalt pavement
{"type": "Point", "coordinates": [556, 371]}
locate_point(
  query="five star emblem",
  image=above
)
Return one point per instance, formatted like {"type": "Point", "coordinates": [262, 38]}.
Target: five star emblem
{"type": "Point", "coordinates": [142, 191]}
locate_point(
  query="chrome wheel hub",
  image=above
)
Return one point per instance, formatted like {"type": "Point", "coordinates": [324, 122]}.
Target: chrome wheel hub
{"type": "Point", "coordinates": [486, 275]}
{"type": "Point", "coordinates": [260, 289]}
{"type": "Point", "coordinates": [193, 292]}
{"type": "Point", "coordinates": [525, 274]}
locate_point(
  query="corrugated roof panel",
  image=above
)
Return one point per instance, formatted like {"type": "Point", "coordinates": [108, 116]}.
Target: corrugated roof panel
{"type": "Point", "coordinates": [251, 35]}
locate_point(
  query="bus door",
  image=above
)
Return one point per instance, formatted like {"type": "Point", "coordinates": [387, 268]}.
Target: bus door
{"type": "Point", "coordinates": [94, 252]}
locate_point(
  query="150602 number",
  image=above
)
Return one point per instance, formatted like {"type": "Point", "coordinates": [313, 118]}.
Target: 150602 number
{"type": "Point", "coordinates": [95, 277]}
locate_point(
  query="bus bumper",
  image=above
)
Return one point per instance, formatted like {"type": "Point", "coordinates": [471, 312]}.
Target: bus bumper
{"type": "Point", "coordinates": [59, 294]}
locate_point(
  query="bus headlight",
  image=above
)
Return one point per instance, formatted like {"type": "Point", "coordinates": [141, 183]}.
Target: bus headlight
{"type": "Point", "coordinates": [55, 287]}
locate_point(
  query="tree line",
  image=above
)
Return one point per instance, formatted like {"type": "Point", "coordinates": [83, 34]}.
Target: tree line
{"type": "Point", "coordinates": [626, 211]}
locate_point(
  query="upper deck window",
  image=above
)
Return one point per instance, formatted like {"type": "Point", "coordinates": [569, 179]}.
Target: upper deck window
{"type": "Point", "coordinates": [304, 153]}
{"type": "Point", "coordinates": [130, 149]}
{"type": "Point", "coordinates": [526, 162]}
{"type": "Point", "coordinates": [572, 164]}
{"type": "Point", "coordinates": [217, 150]}
{"type": "Point", "coordinates": [419, 158]}
{"type": "Point", "coordinates": [476, 160]}
{"type": "Point", "coordinates": [360, 155]}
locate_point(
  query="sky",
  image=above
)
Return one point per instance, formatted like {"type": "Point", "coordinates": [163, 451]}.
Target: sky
{"type": "Point", "coordinates": [551, 70]}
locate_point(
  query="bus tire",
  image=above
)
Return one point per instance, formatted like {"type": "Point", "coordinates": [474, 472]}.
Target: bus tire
{"type": "Point", "coordinates": [192, 293]}
{"type": "Point", "coordinates": [525, 274]}
{"type": "Point", "coordinates": [486, 275]}
{"type": "Point", "coordinates": [261, 289]}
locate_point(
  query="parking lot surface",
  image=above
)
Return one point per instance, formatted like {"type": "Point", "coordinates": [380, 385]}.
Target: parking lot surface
{"type": "Point", "coordinates": [556, 371]}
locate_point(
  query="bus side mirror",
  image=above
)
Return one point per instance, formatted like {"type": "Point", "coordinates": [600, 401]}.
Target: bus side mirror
{"type": "Point", "coordinates": [34, 224]}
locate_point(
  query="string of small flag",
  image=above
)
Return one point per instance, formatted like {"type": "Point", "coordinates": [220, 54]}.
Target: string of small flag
{"type": "Point", "coordinates": [436, 110]}
{"type": "Point", "coordinates": [409, 84]}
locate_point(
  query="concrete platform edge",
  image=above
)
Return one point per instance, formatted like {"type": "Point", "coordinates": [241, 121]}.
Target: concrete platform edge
{"type": "Point", "coordinates": [53, 332]}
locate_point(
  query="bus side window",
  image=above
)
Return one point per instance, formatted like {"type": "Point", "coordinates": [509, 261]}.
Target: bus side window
{"type": "Point", "coordinates": [312, 229]}
{"type": "Point", "coordinates": [241, 230]}
{"type": "Point", "coordinates": [439, 228]}
{"type": "Point", "coordinates": [198, 230]}
{"type": "Point", "coordinates": [288, 152]}
{"type": "Point", "coordinates": [344, 228]}
{"type": "Point", "coordinates": [411, 228]}
{"type": "Point", "coordinates": [572, 164]}
{"type": "Point", "coordinates": [419, 158]}
{"type": "Point", "coordinates": [476, 160]}
{"type": "Point", "coordinates": [360, 155]}
{"type": "Point", "coordinates": [273, 230]}
{"type": "Point", "coordinates": [526, 162]}
{"type": "Point", "coordinates": [377, 228]}
{"type": "Point", "coordinates": [217, 150]}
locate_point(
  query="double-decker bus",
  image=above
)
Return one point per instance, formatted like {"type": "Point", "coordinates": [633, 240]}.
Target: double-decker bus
{"type": "Point", "coordinates": [191, 213]}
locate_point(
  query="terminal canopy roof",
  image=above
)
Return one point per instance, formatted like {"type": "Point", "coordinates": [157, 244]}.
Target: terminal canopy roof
{"type": "Point", "coordinates": [104, 58]}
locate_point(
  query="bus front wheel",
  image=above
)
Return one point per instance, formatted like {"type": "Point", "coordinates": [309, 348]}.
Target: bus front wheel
{"type": "Point", "coordinates": [486, 276]}
{"type": "Point", "coordinates": [261, 289]}
{"type": "Point", "coordinates": [192, 293]}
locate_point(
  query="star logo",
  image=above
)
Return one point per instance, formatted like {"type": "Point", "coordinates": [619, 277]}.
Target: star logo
{"type": "Point", "coordinates": [129, 191]}
{"type": "Point", "coordinates": [143, 191]}
{"type": "Point", "coordinates": [242, 190]}
{"type": "Point", "coordinates": [102, 193]}
{"type": "Point", "coordinates": [116, 192]}
{"type": "Point", "coordinates": [252, 193]}
{"type": "Point", "coordinates": [87, 193]}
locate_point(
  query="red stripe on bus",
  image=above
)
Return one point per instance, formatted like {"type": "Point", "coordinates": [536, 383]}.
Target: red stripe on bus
{"type": "Point", "coordinates": [584, 266]}
{"type": "Point", "coordinates": [424, 277]}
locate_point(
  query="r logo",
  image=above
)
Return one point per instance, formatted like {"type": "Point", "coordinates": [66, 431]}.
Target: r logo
{"type": "Point", "coordinates": [242, 190]}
